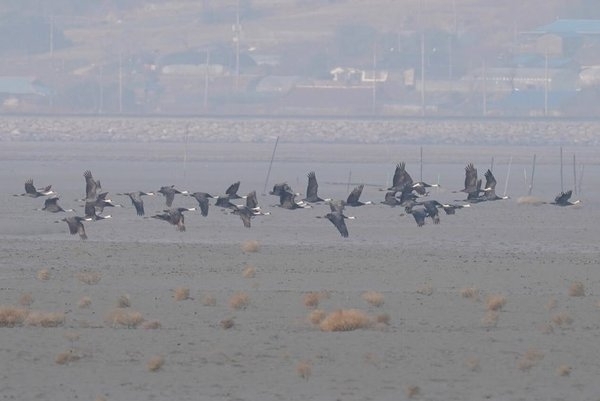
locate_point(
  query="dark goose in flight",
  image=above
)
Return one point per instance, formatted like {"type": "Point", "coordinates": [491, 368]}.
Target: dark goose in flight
{"type": "Point", "coordinates": [353, 198]}
{"type": "Point", "coordinates": [174, 216]}
{"type": "Point", "coordinates": [169, 192]}
{"type": "Point", "coordinates": [203, 203]}
{"type": "Point", "coordinates": [92, 187]}
{"type": "Point", "coordinates": [562, 199]}
{"type": "Point", "coordinates": [136, 200]}
{"type": "Point", "coordinates": [32, 192]}
{"type": "Point", "coordinates": [312, 189]}
{"type": "Point", "coordinates": [75, 224]}
{"type": "Point", "coordinates": [489, 192]}
{"type": "Point", "coordinates": [51, 205]}
{"type": "Point", "coordinates": [337, 217]}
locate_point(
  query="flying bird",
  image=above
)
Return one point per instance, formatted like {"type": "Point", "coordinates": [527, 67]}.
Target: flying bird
{"type": "Point", "coordinates": [174, 216]}
{"type": "Point", "coordinates": [203, 203]}
{"type": "Point", "coordinates": [32, 192]}
{"type": "Point", "coordinates": [136, 200]}
{"type": "Point", "coordinates": [51, 205]}
{"type": "Point", "coordinates": [92, 187]}
{"type": "Point", "coordinates": [353, 198]}
{"type": "Point", "coordinates": [337, 217]}
{"type": "Point", "coordinates": [231, 191]}
{"type": "Point", "coordinates": [75, 224]}
{"type": "Point", "coordinates": [562, 199]}
{"type": "Point", "coordinates": [489, 192]}
{"type": "Point", "coordinates": [312, 188]}
{"type": "Point", "coordinates": [169, 192]}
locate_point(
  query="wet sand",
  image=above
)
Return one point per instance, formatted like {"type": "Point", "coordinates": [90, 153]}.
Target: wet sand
{"type": "Point", "coordinates": [439, 343]}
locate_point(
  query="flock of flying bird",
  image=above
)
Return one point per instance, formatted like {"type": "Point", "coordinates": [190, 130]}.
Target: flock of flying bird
{"type": "Point", "coordinates": [404, 192]}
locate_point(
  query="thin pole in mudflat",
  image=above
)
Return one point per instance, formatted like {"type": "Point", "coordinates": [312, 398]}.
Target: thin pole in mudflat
{"type": "Point", "coordinates": [270, 165]}
{"type": "Point", "coordinates": [562, 187]}
{"type": "Point", "coordinates": [532, 173]}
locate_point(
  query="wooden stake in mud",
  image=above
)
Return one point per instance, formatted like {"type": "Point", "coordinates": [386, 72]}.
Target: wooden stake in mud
{"type": "Point", "coordinates": [562, 187]}
{"type": "Point", "coordinates": [421, 162]}
{"type": "Point", "coordinates": [507, 177]}
{"type": "Point", "coordinates": [532, 174]}
{"type": "Point", "coordinates": [580, 178]}
{"type": "Point", "coordinates": [270, 165]}
{"type": "Point", "coordinates": [574, 175]}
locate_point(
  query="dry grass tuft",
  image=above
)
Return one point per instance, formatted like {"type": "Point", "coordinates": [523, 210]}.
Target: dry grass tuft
{"type": "Point", "coordinates": [251, 246]}
{"type": "Point", "coordinates": [470, 293]}
{"type": "Point", "coordinates": [425, 289]}
{"type": "Point", "coordinates": [67, 357]}
{"type": "Point", "coordinates": [495, 302]}
{"type": "Point", "coordinates": [383, 318]}
{"type": "Point", "coordinates": [209, 300]}
{"type": "Point", "coordinates": [490, 319]}
{"type": "Point", "coordinates": [43, 275]}
{"type": "Point", "coordinates": [124, 317]}
{"type": "Point", "coordinates": [472, 364]}
{"type": "Point", "coordinates": [304, 369]}
{"type": "Point", "coordinates": [551, 304]}
{"type": "Point", "coordinates": [249, 272]}
{"type": "Point", "coordinates": [151, 325]}
{"type": "Point", "coordinates": [123, 301]}
{"type": "Point", "coordinates": [45, 319]}
{"type": "Point", "coordinates": [239, 300]}
{"type": "Point", "coordinates": [562, 319]}
{"type": "Point", "coordinates": [89, 278]}
{"type": "Point", "coordinates": [345, 320]}
{"type": "Point", "coordinates": [412, 391]}
{"type": "Point", "coordinates": [155, 363]}
{"type": "Point", "coordinates": [84, 302]}
{"type": "Point", "coordinates": [25, 299]}
{"type": "Point", "coordinates": [530, 200]}
{"type": "Point", "coordinates": [312, 299]}
{"type": "Point", "coordinates": [11, 316]}
{"type": "Point", "coordinates": [577, 289]}
{"type": "Point", "coordinates": [316, 316]}
{"type": "Point", "coordinates": [181, 293]}
{"type": "Point", "coordinates": [529, 359]}
{"type": "Point", "coordinates": [373, 298]}
{"type": "Point", "coordinates": [227, 323]}
{"type": "Point", "coordinates": [563, 370]}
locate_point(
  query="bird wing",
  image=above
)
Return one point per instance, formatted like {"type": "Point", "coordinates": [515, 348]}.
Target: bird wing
{"type": "Point", "coordinates": [91, 186]}
{"type": "Point", "coordinates": [138, 203]}
{"type": "Point", "coordinates": [203, 203]}
{"type": "Point", "coordinates": [470, 178]}
{"type": "Point", "coordinates": [251, 200]}
{"type": "Point", "coordinates": [245, 214]}
{"type": "Point", "coordinates": [29, 188]}
{"type": "Point", "coordinates": [419, 216]}
{"type": "Point", "coordinates": [81, 230]}
{"type": "Point", "coordinates": [563, 197]}
{"type": "Point", "coordinates": [51, 201]}
{"type": "Point", "coordinates": [401, 176]}
{"type": "Point", "coordinates": [338, 221]}
{"type": "Point", "coordinates": [490, 180]}
{"type": "Point", "coordinates": [312, 187]}
{"type": "Point", "coordinates": [355, 194]}
{"type": "Point", "coordinates": [286, 199]}
{"type": "Point", "coordinates": [233, 188]}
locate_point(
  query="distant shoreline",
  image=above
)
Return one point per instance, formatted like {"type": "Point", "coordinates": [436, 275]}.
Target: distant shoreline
{"type": "Point", "coordinates": [443, 131]}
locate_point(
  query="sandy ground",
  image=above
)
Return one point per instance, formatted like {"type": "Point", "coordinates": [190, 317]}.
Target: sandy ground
{"type": "Point", "coordinates": [439, 343]}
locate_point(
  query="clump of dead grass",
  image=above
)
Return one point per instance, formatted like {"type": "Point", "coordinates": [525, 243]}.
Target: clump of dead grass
{"type": "Point", "coordinates": [490, 318]}
{"type": "Point", "coordinates": [529, 359]}
{"type": "Point", "coordinates": [312, 299]}
{"type": "Point", "coordinates": [425, 289]}
{"type": "Point", "coordinates": [383, 318]}
{"type": "Point", "coordinates": [495, 302]}
{"type": "Point", "coordinates": [227, 323]}
{"type": "Point", "coordinates": [304, 369]}
{"type": "Point", "coordinates": [412, 391]}
{"type": "Point", "coordinates": [249, 272]}
{"type": "Point", "coordinates": [43, 275]}
{"type": "Point", "coordinates": [45, 319]}
{"type": "Point", "coordinates": [89, 277]}
{"type": "Point", "coordinates": [123, 301]}
{"type": "Point", "coordinates": [11, 316]}
{"type": "Point", "coordinates": [373, 298]}
{"type": "Point", "coordinates": [124, 317]}
{"type": "Point", "coordinates": [66, 357]}
{"type": "Point", "coordinates": [530, 200]}
{"type": "Point", "coordinates": [316, 316]}
{"type": "Point", "coordinates": [251, 246]}
{"type": "Point", "coordinates": [563, 370]}
{"type": "Point", "coordinates": [551, 304]}
{"type": "Point", "coordinates": [345, 320]}
{"type": "Point", "coordinates": [84, 302]}
{"type": "Point", "coordinates": [562, 319]}
{"type": "Point", "coordinates": [181, 293]}
{"type": "Point", "coordinates": [25, 299]}
{"type": "Point", "coordinates": [470, 293]}
{"type": "Point", "coordinates": [577, 289]}
{"type": "Point", "coordinates": [151, 325]}
{"type": "Point", "coordinates": [209, 300]}
{"type": "Point", "coordinates": [155, 363]}
{"type": "Point", "coordinates": [472, 363]}
{"type": "Point", "coordinates": [239, 300]}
